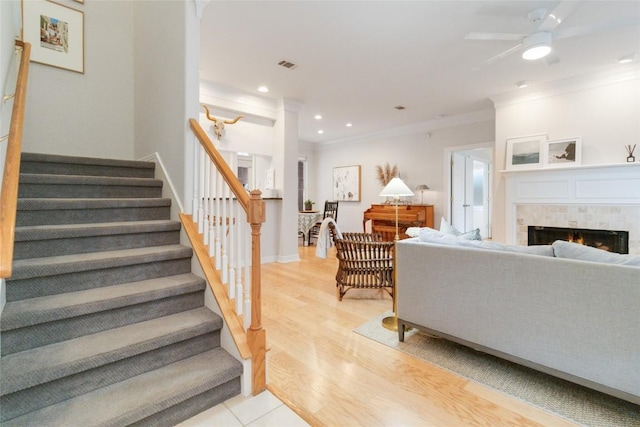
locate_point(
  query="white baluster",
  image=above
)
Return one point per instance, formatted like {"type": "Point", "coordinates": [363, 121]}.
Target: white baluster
{"type": "Point", "coordinates": [239, 226]}
{"type": "Point", "coordinates": [232, 245]}
{"type": "Point", "coordinates": [239, 262]}
{"type": "Point", "coordinates": [218, 255]}
{"type": "Point", "coordinates": [207, 190]}
{"type": "Point", "coordinates": [201, 191]}
{"type": "Point", "coordinates": [194, 202]}
{"type": "Point", "coordinates": [212, 212]}
{"type": "Point", "coordinates": [225, 237]}
{"type": "Point", "coordinates": [247, 280]}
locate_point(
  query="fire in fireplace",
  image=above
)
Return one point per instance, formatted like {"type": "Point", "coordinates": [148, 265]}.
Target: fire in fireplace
{"type": "Point", "coordinates": [608, 240]}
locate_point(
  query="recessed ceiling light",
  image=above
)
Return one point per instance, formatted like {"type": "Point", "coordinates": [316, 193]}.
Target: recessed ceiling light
{"type": "Point", "coordinates": [349, 125]}
{"type": "Point", "coordinates": [320, 131]}
{"type": "Point", "coordinates": [400, 107]}
{"type": "Point", "coordinates": [317, 117]}
{"type": "Point", "coordinates": [522, 84]}
{"type": "Point", "coordinates": [263, 89]}
{"type": "Point", "coordinates": [627, 58]}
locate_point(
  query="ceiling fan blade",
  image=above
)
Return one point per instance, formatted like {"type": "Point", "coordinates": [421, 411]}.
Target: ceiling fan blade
{"type": "Point", "coordinates": [597, 27]}
{"type": "Point", "coordinates": [558, 14]}
{"type": "Point", "coordinates": [495, 36]}
{"type": "Point", "coordinates": [498, 57]}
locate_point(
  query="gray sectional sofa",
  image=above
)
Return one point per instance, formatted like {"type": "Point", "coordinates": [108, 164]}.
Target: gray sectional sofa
{"type": "Point", "coordinates": [575, 319]}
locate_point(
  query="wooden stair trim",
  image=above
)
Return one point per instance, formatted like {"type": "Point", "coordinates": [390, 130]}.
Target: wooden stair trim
{"type": "Point", "coordinates": [232, 320]}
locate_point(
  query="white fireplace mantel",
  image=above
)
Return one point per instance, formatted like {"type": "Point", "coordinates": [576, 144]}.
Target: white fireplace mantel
{"type": "Point", "coordinates": [595, 185]}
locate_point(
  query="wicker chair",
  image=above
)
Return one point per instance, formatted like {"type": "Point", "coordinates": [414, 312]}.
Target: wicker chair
{"type": "Point", "coordinates": [364, 262]}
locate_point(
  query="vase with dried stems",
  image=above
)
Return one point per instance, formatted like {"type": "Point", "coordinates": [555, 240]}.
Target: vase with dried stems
{"type": "Point", "coordinates": [385, 174]}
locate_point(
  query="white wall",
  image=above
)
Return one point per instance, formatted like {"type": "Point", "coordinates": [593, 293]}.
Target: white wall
{"type": "Point", "coordinates": [166, 93]}
{"type": "Point", "coordinates": [88, 114]}
{"type": "Point", "coordinates": [604, 111]}
{"type": "Point", "coordinates": [419, 158]}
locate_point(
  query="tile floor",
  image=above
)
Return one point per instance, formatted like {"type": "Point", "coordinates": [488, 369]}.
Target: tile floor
{"type": "Point", "coordinates": [263, 410]}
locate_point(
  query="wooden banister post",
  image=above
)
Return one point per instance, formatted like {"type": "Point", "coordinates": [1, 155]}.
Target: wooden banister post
{"type": "Point", "coordinates": [256, 335]}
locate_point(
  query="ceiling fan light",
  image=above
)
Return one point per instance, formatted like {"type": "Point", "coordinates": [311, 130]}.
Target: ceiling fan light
{"type": "Point", "coordinates": [536, 46]}
{"type": "Point", "coordinates": [536, 52]}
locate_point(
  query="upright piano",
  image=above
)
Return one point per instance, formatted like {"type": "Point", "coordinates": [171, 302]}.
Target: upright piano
{"type": "Point", "coordinates": [383, 219]}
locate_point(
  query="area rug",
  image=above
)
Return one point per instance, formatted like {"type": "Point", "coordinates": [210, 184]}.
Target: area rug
{"type": "Point", "coordinates": [565, 399]}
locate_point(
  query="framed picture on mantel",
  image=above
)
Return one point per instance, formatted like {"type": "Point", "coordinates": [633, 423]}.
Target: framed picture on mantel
{"type": "Point", "coordinates": [525, 152]}
{"type": "Point", "coordinates": [562, 153]}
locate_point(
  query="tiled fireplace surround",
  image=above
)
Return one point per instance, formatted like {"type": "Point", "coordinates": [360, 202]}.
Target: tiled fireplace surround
{"type": "Point", "coordinates": [603, 197]}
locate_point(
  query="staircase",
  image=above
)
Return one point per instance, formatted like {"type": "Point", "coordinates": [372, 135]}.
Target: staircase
{"type": "Point", "coordinates": [104, 323]}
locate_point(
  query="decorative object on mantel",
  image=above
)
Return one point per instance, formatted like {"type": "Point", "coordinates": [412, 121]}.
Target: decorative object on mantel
{"type": "Point", "coordinates": [562, 152]}
{"type": "Point", "coordinates": [630, 150]}
{"type": "Point", "coordinates": [422, 188]}
{"type": "Point", "coordinates": [524, 152]}
{"type": "Point", "coordinates": [386, 174]}
{"type": "Point", "coordinates": [218, 124]}
{"type": "Point", "coordinates": [395, 189]}
{"type": "Point", "coordinates": [308, 204]}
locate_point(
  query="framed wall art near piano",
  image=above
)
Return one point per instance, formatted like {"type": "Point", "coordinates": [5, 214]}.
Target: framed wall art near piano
{"type": "Point", "coordinates": [346, 183]}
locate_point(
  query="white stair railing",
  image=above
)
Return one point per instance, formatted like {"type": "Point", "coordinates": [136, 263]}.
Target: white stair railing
{"type": "Point", "coordinates": [228, 222]}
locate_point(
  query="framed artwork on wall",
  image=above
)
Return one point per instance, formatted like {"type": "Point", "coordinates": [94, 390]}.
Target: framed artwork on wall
{"type": "Point", "coordinates": [562, 153]}
{"type": "Point", "coordinates": [525, 152]}
{"type": "Point", "coordinates": [56, 34]}
{"type": "Point", "coordinates": [346, 183]}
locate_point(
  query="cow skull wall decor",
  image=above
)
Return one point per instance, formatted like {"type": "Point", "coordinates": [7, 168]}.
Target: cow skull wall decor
{"type": "Point", "coordinates": [218, 124]}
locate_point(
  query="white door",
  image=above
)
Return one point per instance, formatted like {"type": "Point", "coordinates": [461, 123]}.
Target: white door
{"type": "Point", "coordinates": [462, 191]}
{"type": "Point", "coordinates": [470, 203]}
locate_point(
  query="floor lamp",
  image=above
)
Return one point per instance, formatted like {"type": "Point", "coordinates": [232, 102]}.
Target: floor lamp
{"type": "Point", "coordinates": [396, 189]}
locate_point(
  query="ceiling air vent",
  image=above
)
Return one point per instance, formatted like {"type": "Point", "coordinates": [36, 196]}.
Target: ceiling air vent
{"type": "Point", "coordinates": [287, 64]}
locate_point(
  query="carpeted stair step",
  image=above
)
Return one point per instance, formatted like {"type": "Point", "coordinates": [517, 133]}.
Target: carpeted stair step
{"type": "Point", "coordinates": [37, 397]}
{"type": "Point", "coordinates": [74, 186]}
{"type": "Point", "coordinates": [83, 211]}
{"type": "Point", "coordinates": [36, 277]}
{"type": "Point", "coordinates": [34, 322]}
{"type": "Point", "coordinates": [65, 239]}
{"type": "Point", "coordinates": [71, 165]}
{"type": "Point", "coordinates": [147, 399]}
{"type": "Point", "coordinates": [47, 363]}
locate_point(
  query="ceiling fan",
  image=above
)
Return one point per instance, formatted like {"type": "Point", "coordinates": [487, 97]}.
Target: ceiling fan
{"type": "Point", "coordinates": [538, 44]}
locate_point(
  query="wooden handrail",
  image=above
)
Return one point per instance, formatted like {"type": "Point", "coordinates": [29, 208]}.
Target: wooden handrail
{"type": "Point", "coordinates": [254, 207]}
{"type": "Point", "coordinates": [222, 166]}
{"type": "Point", "coordinates": [9, 192]}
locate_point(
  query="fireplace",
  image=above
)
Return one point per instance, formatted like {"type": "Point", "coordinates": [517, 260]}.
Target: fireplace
{"type": "Point", "coordinates": [608, 240]}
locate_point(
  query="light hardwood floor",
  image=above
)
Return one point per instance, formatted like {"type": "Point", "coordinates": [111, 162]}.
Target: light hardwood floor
{"type": "Point", "coordinates": [332, 376]}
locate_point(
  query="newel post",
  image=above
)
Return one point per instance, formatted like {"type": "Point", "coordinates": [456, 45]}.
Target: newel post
{"type": "Point", "coordinates": [256, 335]}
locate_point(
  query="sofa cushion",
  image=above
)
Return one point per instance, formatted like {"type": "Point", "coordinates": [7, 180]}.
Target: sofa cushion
{"type": "Point", "coordinates": [447, 228]}
{"type": "Point", "coordinates": [429, 235]}
{"type": "Point", "coordinates": [564, 249]}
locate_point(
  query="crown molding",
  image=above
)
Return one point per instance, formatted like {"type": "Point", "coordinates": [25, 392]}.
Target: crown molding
{"type": "Point", "coordinates": [237, 101]}
{"type": "Point", "coordinates": [427, 126]}
{"type": "Point", "coordinates": [612, 75]}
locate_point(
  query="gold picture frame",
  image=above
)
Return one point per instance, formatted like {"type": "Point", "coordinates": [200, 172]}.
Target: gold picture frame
{"type": "Point", "coordinates": [56, 34]}
{"type": "Point", "coordinates": [346, 183]}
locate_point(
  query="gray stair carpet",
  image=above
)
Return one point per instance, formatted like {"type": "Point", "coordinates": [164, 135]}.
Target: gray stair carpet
{"type": "Point", "coordinates": [104, 324]}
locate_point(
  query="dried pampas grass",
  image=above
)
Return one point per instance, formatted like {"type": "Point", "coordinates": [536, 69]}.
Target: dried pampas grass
{"type": "Point", "coordinates": [386, 173]}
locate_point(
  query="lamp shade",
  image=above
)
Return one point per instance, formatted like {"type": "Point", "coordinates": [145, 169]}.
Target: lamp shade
{"type": "Point", "coordinates": [396, 188]}
{"type": "Point", "coordinates": [422, 187]}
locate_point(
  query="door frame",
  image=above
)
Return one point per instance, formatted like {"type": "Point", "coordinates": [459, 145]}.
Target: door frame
{"type": "Point", "coordinates": [447, 154]}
